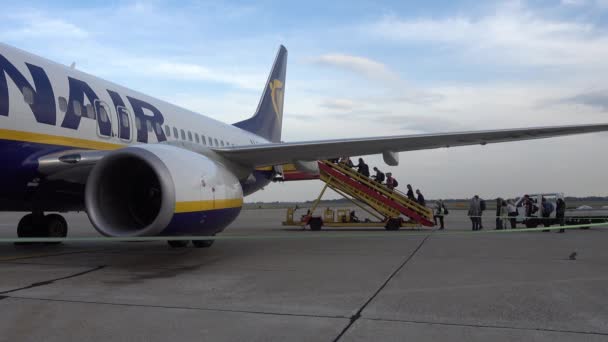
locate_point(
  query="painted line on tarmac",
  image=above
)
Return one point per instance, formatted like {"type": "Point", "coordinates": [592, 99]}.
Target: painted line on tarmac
{"type": "Point", "coordinates": [333, 234]}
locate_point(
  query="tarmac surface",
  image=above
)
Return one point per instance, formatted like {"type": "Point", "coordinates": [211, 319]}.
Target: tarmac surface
{"type": "Point", "coordinates": [285, 284]}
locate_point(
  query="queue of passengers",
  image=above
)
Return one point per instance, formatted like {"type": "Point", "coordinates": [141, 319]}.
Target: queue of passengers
{"type": "Point", "coordinates": [379, 176]}
{"type": "Point", "coordinates": [506, 212]}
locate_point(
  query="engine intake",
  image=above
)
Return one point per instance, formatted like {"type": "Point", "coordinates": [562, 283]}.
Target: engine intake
{"type": "Point", "coordinates": [130, 193]}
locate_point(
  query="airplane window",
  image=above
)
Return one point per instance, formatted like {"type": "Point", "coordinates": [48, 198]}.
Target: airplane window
{"type": "Point", "coordinates": [196, 138]}
{"type": "Point", "coordinates": [28, 95]}
{"type": "Point", "coordinates": [125, 120]}
{"type": "Point", "coordinates": [138, 124]}
{"type": "Point", "coordinates": [77, 108]}
{"type": "Point", "coordinates": [215, 141]}
{"type": "Point", "coordinates": [63, 104]}
{"type": "Point", "coordinates": [167, 130]}
{"type": "Point", "coordinates": [203, 140]}
{"type": "Point", "coordinates": [103, 115]}
{"type": "Point", "coordinates": [222, 142]}
{"type": "Point", "coordinates": [189, 135]}
{"type": "Point", "coordinates": [183, 134]}
{"type": "Point", "coordinates": [149, 125]}
{"type": "Point", "coordinates": [175, 135]}
{"type": "Point", "coordinates": [88, 111]}
{"type": "Point", "coordinates": [159, 129]}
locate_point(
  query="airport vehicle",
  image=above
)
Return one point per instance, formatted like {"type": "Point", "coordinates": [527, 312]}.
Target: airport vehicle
{"type": "Point", "coordinates": [140, 166]}
{"type": "Point", "coordinates": [572, 217]}
{"type": "Point", "coordinates": [386, 205]}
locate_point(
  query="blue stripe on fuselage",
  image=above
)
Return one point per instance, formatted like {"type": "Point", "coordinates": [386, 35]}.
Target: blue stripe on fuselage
{"type": "Point", "coordinates": [204, 223]}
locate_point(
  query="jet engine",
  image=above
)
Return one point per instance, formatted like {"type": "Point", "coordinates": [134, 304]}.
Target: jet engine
{"type": "Point", "coordinates": [147, 190]}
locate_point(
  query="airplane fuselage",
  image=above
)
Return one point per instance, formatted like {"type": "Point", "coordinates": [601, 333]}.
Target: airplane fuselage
{"type": "Point", "coordinates": [46, 107]}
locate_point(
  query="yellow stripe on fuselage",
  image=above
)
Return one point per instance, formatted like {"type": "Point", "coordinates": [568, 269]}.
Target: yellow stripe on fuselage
{"type": "Point", "coordinates": [48, 139]}
{"type": "Point", "coordinates": [192, 206]}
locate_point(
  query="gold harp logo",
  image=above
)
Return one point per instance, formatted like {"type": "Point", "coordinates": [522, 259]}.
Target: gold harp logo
{"type": "Point", "coordinates": [276, 95]}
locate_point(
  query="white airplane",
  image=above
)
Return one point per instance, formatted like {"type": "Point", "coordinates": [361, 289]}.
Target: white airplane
{"type": "Point", "coordinates": [140, 166]}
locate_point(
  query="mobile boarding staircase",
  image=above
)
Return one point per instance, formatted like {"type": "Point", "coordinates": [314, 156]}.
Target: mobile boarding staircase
{"type": "Point", "coordinates": [388, 206]}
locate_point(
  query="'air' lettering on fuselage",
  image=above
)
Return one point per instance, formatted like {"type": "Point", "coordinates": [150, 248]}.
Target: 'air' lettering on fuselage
{"type": "Point", "coordinates": [78, 90]}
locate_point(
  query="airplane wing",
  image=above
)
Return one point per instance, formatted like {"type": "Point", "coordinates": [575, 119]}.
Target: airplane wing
{"type": "Point", "coordinates": [282, 153]}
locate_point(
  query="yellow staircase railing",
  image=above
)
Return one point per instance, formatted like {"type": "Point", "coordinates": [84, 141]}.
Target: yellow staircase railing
{"type": "Point", "coordinates": [361, 194]}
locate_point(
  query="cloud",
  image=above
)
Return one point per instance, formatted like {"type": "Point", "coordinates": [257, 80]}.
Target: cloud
{"type": "Point", "coordinates": [195, 72]}
{"type": "Point", "coordinates": [36, 25]}
{"type": "Point", "coordinates": [422, 123]}
{"type": "Point", "coordinates": [597, 99]}
{"type": "Point", "coordinates": [511, 34]}
{"type": "Point", "coordinates": [394, 88]}
{"type": "Point", "coordinates": [339, 104]}
{"type": "Point", "coordinates": [360, 65]}
{"type": "Point", "coordinates": [573, 2]}
{"type": "Point", "coordinates": [302, 117]}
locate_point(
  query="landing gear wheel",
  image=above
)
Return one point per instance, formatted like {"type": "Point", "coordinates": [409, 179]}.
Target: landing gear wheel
{"type": "Point", "coordinates": [202, 243]}
{"type": "Point", "coordinates": [315, 223]}
{"type": "Point", "coordinates": [26, 227]}
{"type": "Point", "coordinates": [56, 227]}
{"type": "Point", "coordinates": [393, 224]}
{"type": "Point", "coordinates": [178, 243]}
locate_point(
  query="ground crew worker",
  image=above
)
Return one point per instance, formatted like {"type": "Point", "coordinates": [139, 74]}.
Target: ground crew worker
{"type": "Point", "coordinates": [560, 213]}
{"type": "Point", "coordinates": [379, 176]}
{"type": "Point", "coordinates": [440, 211]}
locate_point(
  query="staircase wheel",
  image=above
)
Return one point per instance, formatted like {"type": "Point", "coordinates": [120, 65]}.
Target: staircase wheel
{"type": "Point", "coordinates": [315, 223]}
{"type": "Point", "coordinates": [393, 224]}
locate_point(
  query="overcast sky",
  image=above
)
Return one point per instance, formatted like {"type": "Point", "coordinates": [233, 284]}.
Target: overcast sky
{"type": "Point", "coordinates": [363, 69]}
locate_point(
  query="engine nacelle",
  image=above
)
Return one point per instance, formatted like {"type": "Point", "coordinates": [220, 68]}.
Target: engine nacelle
{"type": "Point", "coordinates": [147, 190]}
